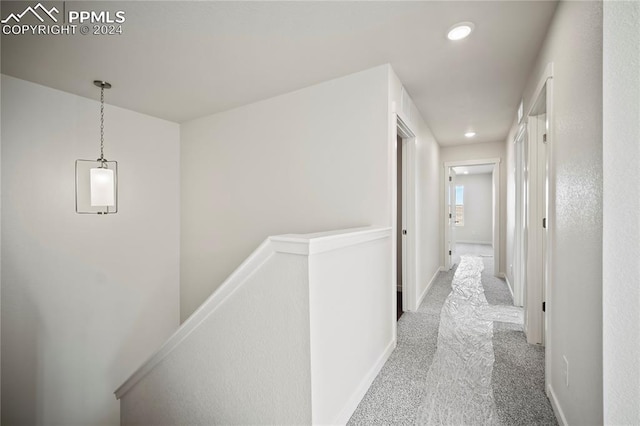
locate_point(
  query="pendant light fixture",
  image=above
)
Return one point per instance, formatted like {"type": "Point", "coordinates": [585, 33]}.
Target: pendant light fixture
{"type": "Point", "coordinates": [97, 181]}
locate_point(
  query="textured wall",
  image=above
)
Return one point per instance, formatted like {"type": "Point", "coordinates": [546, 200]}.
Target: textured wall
{"type": "Point", "coordinates": [269, 346]}
{"type": "Point", "coordinates": [85, 298]}
{"type": "Point", "coordinates": [621, 215]}
{"type": "Point", "coordinates": [574, 45]}
{"type": "Point", "coordinates": [247, 363]}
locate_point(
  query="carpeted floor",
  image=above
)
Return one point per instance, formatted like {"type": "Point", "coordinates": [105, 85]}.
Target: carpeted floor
{"type": "Point", "coordinates": [518, 372]}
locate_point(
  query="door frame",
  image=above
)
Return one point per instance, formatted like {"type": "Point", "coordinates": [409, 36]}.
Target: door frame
{"type": "Point", "coordinates": [496, 208]}
{"type": "Point", "coordinates": [540, 243]}
{"type": "Point", "coordinates": [521, 145]}
{"type": "Point", "coordinates": [401, 127]}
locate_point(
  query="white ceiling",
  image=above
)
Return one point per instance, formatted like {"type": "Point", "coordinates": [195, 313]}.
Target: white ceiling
{"type": "Point", "coordinates": [183, 60]}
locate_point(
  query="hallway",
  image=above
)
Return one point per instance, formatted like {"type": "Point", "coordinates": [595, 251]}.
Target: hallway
{"type": "Point", "coordinates": [517, 381]}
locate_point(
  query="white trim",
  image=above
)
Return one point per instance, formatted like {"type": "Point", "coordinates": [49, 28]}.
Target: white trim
{"type": "Point", "coordinates": [496, 183]}
{"type": "Point", "coordinates": [506, 278]}
{"type": "Point", "coordinates": [306, 244]}
{"type": "Point", "coordinates": [520, 142]}
{"type": "Point", "coordinates": [351, 405]}
{"type": "Point", "coordinates": [402, 128]}
{"type": "Point", "coordinates": [480, 161]}
{"type": "Point", "coordinates": [557, 409]}
{"type": "Point", "coordinates": [426, 290]}
{"type": "Point", "coordinates": [540, 253]}
{"type": "Point", "coordinates": [551, 220]}
{"type": "Point", "coordinates": [547, 74]}
{"type": "Point", "coordinates": [291, 244]}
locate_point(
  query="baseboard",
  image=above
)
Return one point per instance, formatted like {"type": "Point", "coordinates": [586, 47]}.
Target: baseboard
{"type": "Point", "coordinates": [506, 278]}
{"type": "Point", "coordinates": [557, 410]}
{"type": "Point", "coordinates": [426, 290]}
{"type": "Point", "coordinates": [443, 269]}
{"type": "Point", "coordinates": [364, 386]}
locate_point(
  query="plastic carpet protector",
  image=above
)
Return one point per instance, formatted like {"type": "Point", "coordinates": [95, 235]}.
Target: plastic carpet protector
{"type": "Point", "coordinates": [458, 384]}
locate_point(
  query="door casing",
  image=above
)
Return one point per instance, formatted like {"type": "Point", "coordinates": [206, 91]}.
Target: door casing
{"type": "Point", "coordinates": [496, 209]}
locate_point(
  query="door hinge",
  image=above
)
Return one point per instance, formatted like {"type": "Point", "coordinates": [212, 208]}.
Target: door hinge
{"type": "Point", "coordinates": [544, 138]}
{"type": "Point", "coordinates": [450, 178]}
{"type": "Point", "coordinates": [404, 232]}
{"type": "Point", "coordinates": [449, 252]}
{"type": "Point", "coordinates": [544, 306]}
{"type": "Point", "coordinates": [450, 217]}
{"type": "Point", "coordinates": [544, 222]}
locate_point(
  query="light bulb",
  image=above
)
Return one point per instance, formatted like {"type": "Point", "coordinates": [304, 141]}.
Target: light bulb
{"type": "Point", "coordinates": [102, 185]}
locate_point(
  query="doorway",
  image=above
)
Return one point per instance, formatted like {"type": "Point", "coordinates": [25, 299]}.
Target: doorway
{"type": "Point", "coordinates": [521, 150]}
{"type": "Point", "coordinates": [455, 211]}
{"type": "Point", "coordinates": [403, 216]}
{"type": "Point", "coordinates": [535, 217]}
{"type": "Point", "coordinates": [535, 227]}
{"type": "Point", "coordinates": [400, 197]}
{"type": "Point", "coordinates": [472, 211]}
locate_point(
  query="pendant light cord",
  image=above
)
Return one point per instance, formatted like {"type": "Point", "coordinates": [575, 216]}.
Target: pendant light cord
{"type": "Point", "coordinates": [102, 160]}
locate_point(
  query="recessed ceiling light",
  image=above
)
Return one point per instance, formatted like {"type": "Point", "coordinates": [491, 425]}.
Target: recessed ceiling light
{"type": "Point", "coordinates": [460, 31]}
{"type": "Point", "coordinates": [466, 172]}
{"type": "Point", "coordinates": [470, 134]}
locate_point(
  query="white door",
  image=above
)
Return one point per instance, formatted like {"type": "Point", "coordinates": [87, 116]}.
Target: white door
{"type": "Point", "coordinates": [543, 187]}
{"type": "Point", "coordinates": [452, 215]}
{"type": "Point", "coordinates": [536, 229]}
{"type": "Point", "coordinates": [520, 241]}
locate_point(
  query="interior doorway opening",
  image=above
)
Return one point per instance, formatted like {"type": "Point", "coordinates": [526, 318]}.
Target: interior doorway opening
{"type": "Point", "coordinates": [534, 259]}
{"type": "Point", "coordinates": [404, 217]}
{"type": "Point", "coordinates": [535, 218]}
{"type": "Point", "coordinates": [400, 198]}
{"type": "Point", "coordinates": [472, 211]}
{"type": "Point", "coordinates": [456, 211]}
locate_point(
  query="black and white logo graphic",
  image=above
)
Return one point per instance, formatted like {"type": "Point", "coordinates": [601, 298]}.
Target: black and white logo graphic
{"type": "Point", "coordinates": [38, 11]}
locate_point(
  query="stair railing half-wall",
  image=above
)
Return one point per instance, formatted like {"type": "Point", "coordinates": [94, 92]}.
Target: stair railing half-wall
{"type": "Point", "coordinates": [295, 335]}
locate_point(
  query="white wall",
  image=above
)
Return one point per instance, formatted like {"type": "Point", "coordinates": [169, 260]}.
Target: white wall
{"type": "Point", "coordinates": [85, 298]}
{"type": "Point", "coordinates": [307, 161]}
{"type": "Point", "coordinates": [427, 192]}
{"type": "Point", "coordinates": [621, 213]}
{"type": "Point", "coordinates": [478, 151]}
{"type": "Point", "coordinates": [268, 347]}
{"type": "Point", "coordinates": [478, 209]}
{"type": "Point", "coordinates": [574, 45]}
{"type": "Point", "coordinates": [349, 295]}
{"type": "Point", "coordinates": [245, 362]}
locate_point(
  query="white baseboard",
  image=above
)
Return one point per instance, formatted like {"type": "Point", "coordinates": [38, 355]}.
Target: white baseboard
{"type": "Point", "coordinates": [426, 290]}
{"type": "Point", "coordinates": [557, 410]}
{"type": "Point", "coordinates": [506, 278]}
{"type": "Point", "coordinates": [362, 389]}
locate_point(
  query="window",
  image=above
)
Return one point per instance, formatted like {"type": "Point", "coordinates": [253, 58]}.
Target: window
{"type": "Point", "coordinates": [459, 205]}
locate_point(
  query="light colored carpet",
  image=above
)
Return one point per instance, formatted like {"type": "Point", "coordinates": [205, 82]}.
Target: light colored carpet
{"type": "Point", "coordinates": [518, 371]}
